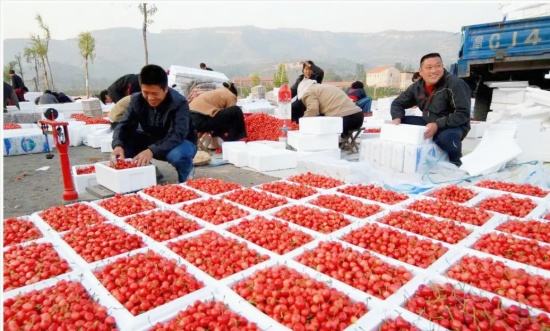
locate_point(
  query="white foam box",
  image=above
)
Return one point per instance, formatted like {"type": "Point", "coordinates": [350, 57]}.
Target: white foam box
{"type": "Point", "coordinates": [94, 140]}
{"type": "Point", "coordinates": [387, 150]}
{"type": "Point", "coordinates": [398, 157]}
{"type": "Point", "coordinates": [227, 146]}
{"type": "Point", "coordinates": [270, 143]}
{"type": "Point", "coordinates": [375, 154]}
{"type": "Point", "coordinates": [371, 122]}
{"type": "Point", "coordinates": [510, 95]}
{"type": "Point", "coordinates": [25, 143]}
{"type": "Point", "coordinates": [365, 149]}
{"type": "Point", "coordinates": [477, 129]}
{"type": "Point", "coordinates": [272, 159]}
{"type": "Point", "coordinates": [415, 156]}
{"type": "Point", "coordinates": [321, 125]}
{"type": "Point", "coordinates": [334, 153]}
{"type": "Point", "coordinates": [84, 180]}
{"type": "Point", "coordinates": [125, 180]}
{"type": "Point", "coordinates": [309, 142]}
{"type": "Point", "coordinates": [105, 144]}
{"type": "Point", "coordinates": [404, 133]}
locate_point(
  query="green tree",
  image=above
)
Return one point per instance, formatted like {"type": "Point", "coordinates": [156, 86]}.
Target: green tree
{"type": "Point", "coordinates": [86, 44]}
{"type": "Point", "coordinates": [280, 77]}
{"type": "Point", "coordinates": [255, 79]}
{"type": "Point", "coordinates": [398, 66]}
{"type": "Point", "coordinates": [46, 44]}
{"type": "Point", "coordinates": [147, 14]}
{"type": "Point", "coordinates": [7, 68]}
{"type": "Point", "coordinates": [41, 51]}
{"type": "Point", "coordinates": [410, 68]}
{"type": "Point", "coordinates": [32, 58]}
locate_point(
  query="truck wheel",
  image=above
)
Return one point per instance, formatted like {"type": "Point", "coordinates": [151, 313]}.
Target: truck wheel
{"type": "Point", "coordinates": [483, 101]}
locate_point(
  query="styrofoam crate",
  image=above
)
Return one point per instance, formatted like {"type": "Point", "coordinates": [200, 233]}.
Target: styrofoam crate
{"type": "Point", "coordinates": [374, 321]}
{"type": "Point", "coordinates": [356, 296]}
{"type": "Point", "coordinates": [43, 230]}
{"type": "Point", "coordinates": [94, 140]}
{"type": "Point", "coordinates": [227, 146]}
{"type": "Point", "coordinates": [428, 193]}
{"type": "Point", "coordinates": [339, 234]}
{"type": "Point", "coordinates": [497, 222]}
{"type": "Point", "coordinates": [416, 157]}
{"type": "Point", "coordinates": [62, 250]}
{"type": "Point", "coordinates": [384, 204]}
{"type": "Point", "coordinates": [125, 180]}
{"type": "Point", "coordinates": [392, 262]}
{"type": "Point", "coordinates": [47, 228]}
{"type": "Point", "coordinates": [335, 153]}
{"type": "Point", "coordinates": [293, 226]}
{"type": "Point", "coordinates": [81, 182]}
{"type": "Point", "coordinates": [492, 215]}
{"type": "Point", "coordinates": [486, 189]}
{"type": "Point", "coordinates": [487, 193]}
{"type": "Point", "coordinates": [238, 156]}
{"type": "Point", "coordinates": [232, 301]}
{"type": "Point", "coordinates": [95, 204]}
{"type": "Point", "coordinates": [250, 245]}
{"type": "Point", "coordinates": [164, 204]}
{"type": "Point", "coordinates": [477, 129]}
{"type": "Point", "coordinates": [126, 320]}
{"type": "Point", "coordinates": [178, 208]}
{"type": "Point", "coordinates": [309, 200]}
{"type": "Point", "coordinates": [404, 133]}
{"type": "Point", "coordinates": [429, 279]}
{"type": "Point", "coordinates": [321, 125]}
{"type": "Point", "coordinates": [312, 142]}
{"type": "Point", "coordinates": [250, 209]}
{"type": "Point", "coordinates": [259, 187]}
{"type": "Point", "coordinates": [105, 144]}
{"type": "Point", "coordinates": [269, 143]}
{"type": "Point", "coordinates": [272, 159]}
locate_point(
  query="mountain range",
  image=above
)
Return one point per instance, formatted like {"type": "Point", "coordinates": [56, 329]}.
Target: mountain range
{"type": "Point", "coordinates": [235, 51]}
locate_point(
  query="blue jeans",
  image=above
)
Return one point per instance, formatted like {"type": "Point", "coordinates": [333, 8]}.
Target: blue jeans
{"type": "Point", "coordinates": [181, 157]}
{"type": "Point", "coordinates": [449, 140]}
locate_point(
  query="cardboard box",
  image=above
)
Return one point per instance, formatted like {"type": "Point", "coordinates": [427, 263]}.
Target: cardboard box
{"type": "Point", "coordinates": [125, 180]}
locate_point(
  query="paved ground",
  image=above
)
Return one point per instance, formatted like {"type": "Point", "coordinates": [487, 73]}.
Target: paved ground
{"type": "Point", "coordinates": [27, 190]}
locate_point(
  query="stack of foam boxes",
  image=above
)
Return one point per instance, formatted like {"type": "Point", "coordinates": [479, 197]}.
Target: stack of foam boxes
{"type": "Point", "coordinates": [401, 148]}
{"type": "Point", "coordinates": [317, 137]}
{"type": "Point", "coordinates": [382, 109]}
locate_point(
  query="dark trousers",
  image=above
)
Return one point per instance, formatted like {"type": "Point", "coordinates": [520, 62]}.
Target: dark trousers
{"type": "Point", "coordinates": [297, 109]}
{"type": "Point", "coordinates": [449, 140]}
{"type": "Point", "coordinates": [180, 157]}
{"type": "Point", "coordinates": [352, 122]}
{"type": "Point", "coordinates": [228, 121]}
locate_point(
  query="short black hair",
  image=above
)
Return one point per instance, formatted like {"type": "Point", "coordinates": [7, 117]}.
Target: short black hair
{"type": "Point", "coordinates": [48, 91]}
{"type": "Point", "coordinates": [357, 84]}
{"type": "Point", "coordinates": [153, 74]}
{"type": "Point", "coordinates": [429, 56]}
{"type": "Point", "coordinates": [102, 95]}
{"type": "Point", "coordinates": [231, 88]}
{"type": "Point", "coordinates": [415, 76]}
{"type": "Point", "coordinates": [12, 71]}
{"type": "Point", "coordinates": [202, 65]}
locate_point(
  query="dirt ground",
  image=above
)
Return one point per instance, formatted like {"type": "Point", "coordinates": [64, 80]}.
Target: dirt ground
{"type": "Point", "coordinates": [27, 190]}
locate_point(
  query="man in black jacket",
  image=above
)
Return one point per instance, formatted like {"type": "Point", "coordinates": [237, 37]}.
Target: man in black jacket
{"type": "Point", "coordinates": [124, 86]}
{"type": "Point", "coordinates": [18, 85]}
{"type": "Point", "coordinates": [166, 131]}
{"type": "Point", "coordinates": [445, 102]}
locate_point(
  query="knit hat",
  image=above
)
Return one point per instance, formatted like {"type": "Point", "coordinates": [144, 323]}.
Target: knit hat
{"type": "Point", "coordinates": [304, 85]}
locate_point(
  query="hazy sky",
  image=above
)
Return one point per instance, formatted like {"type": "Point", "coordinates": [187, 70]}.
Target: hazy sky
{"type": "Point", "coordinates": [66, 19]}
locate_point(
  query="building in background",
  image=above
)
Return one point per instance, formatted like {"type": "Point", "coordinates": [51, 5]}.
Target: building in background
{"type": "Point", "coordinates": [246, 82]}
{"type": "Point", "coordinates": [405, 79]}
{"type": "Point", "coordinates": [384, 76]}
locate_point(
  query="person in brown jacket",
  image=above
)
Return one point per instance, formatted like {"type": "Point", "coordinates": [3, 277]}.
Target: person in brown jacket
{"type": "Point", "coordinates": [115, 114]}
{"type": "Point", "coordinates": [328, 100]}
{"type": "Point", "coordinates": [216, 112]}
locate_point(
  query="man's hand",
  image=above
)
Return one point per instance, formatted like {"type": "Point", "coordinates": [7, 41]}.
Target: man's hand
{"type": "Point", "coordinates": [431, 129]}
{"type": "Point", "coordinates": [117, 153]}
{"type": "Point", "coordinates": [396, 121]}
{"type": "Point", "coordinates": [143, 158]}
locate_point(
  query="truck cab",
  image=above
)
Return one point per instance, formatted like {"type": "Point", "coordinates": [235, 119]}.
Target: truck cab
{"type": "Point", "coordinates": [517, 50]}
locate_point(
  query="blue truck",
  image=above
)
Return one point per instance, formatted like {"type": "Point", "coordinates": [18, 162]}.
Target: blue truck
{"type": "Point", "coordinates": [516, 50]}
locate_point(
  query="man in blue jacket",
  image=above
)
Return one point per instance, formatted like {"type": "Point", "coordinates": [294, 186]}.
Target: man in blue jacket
{"type": "Point", "coordinates": [445, 102]}
{"type": "Point", "coordinates": [157, 124]}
